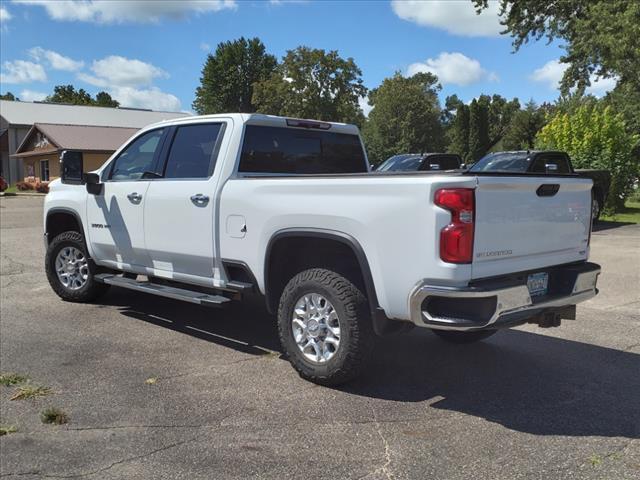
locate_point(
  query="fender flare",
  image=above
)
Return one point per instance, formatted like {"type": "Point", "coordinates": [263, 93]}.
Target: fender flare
{"type": "Point", "coordinates": [377, 314]}
{"type": "Point", "coordinates": [66, 211]}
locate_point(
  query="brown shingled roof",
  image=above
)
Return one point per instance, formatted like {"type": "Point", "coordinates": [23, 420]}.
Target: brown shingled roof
{"type": "Point", "coordinates": [81, 137]}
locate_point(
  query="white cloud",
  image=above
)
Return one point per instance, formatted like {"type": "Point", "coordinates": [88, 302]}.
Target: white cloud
{"type": "Point", "coordinates": [205, 47]}
{"type": "Point", "coordinates": [5, 16]}
{"type": "Point", "coordinates": [454, 16]}
{"type": "Point", "coordinates": [551, 73]}
{"type": "Point", "coordinates": [22, 71]}
{"type": "Point", "coordinates": [152, 98]}
{"type": "Point", "coordinates": [364, 105]}
{"type": "Point", "coordinates": [131, 11]}
{"type": "Point", "coordinates": [57, 61]}
{"type": "Point", "coordinates": [31, 96]}
{"type": "Point", "coordinates": [122, 72]}
{"type": "Point", "coordinates": [600, 86]}
{"type": "Point", "coordinates": [453, 68]}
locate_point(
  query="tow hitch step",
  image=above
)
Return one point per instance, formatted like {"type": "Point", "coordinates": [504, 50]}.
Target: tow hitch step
{"type": "Point", "coordinates": [185, 295]}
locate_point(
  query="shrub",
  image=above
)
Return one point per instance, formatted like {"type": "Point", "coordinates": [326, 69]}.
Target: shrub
{"type": "Point", "coordinates": [42, 187]}
{"type": "Point", "coordinates": [595, 137]}
{"type": "Point", "coordinates": [24, 186]}
{"type": "Point", "coordinates": [3, 184]}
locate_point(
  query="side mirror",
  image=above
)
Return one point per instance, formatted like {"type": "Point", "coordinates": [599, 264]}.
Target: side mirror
{"type": "Point", "coordinates": [94, 187]}
{"type": "Point", "coordinates": [71, 167]}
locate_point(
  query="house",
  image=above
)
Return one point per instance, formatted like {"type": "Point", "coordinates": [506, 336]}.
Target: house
{"type": "Point", "coordinates": [41, 148]}
{"type": "Point", "coordinates": [17, 119]}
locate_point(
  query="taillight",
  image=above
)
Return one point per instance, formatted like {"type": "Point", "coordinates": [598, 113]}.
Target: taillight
{"type": "Point", "coordinates": [456, 239]}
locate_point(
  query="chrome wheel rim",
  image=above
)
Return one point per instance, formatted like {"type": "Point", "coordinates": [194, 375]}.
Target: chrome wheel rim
{"type": "Point", "coordinates": [316, 328]}
{"type": "Point", "coordinates": [72, 268]}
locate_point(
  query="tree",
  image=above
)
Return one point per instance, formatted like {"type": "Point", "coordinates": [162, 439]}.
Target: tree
{"type": "Point", "coordinates": [478, 131]}
{"type": "Point", "coordinates": [596, 137]}
{"type": "Point", "coordinates": [500, 113]}
{"type": "Point", "coordinates": [601, 37]}
{"type": "Point", "coordinates": [103, 99]}
{"type": "Point", "coordinates": [526, 123]}
{"type": "Point", "coordinates": [9, 96]}
{"type": "Point", "coordinates": [68, 94]}
{"type": "Point", "coordinates": [405, 117]}
{"type": "Point", "coordinates": [459, 133]}
{"type": "Point", "coordinates": [312, 83]}
{"type": "Point", "coordinates": [229, 75]}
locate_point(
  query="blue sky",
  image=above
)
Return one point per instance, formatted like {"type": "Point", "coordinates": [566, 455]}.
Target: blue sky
{"type": "Point", "coordinates": [149, 54]}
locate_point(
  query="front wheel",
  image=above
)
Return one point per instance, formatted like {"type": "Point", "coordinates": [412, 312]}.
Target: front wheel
{"type": "Point", "coordinates": [453, 336]}
{"type": "Point", "coordinates": [325, 326]}
{"type": "Point", "coordinates": [70, 271]}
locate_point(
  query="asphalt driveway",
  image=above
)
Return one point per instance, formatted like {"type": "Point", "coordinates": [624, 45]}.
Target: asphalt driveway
{"type": "Point", "coordinates": [160, 389]}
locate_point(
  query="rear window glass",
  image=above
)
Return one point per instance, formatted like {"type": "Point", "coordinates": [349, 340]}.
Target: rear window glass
{"type": "Point", "coordinates": [502, 162]}
{"type": "Point", "coordinates": [441, 162]}
{"type": "Point", "coordinates": [550, 163]}
{"type": "Point", "coordinates": [192, 153]}
{"type": "Point", "coordinates": [401, 163]}
{"type": "Point", "coordinates": [294, 151]}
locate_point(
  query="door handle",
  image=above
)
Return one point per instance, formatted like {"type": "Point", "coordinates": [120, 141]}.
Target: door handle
{"type": "Point", "coordinates": [199, 200]}
{"type": "Point", "coordinates": [134, 197]}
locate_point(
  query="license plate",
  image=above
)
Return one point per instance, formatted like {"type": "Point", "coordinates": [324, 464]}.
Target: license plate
{"type": "Point", "coordinates": [537, 283]}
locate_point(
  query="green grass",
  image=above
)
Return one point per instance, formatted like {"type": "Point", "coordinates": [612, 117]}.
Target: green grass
{"type": "Point", "coordinates": [54, 416]}
{"type": "Point", "coordinates": [7, 429]}
{"type": "Point", "coordinates": [30, 391]}
{"type": "Point", "coordinates": [8, 379]}
{"type": "Point", "coordinates": [630, 214]}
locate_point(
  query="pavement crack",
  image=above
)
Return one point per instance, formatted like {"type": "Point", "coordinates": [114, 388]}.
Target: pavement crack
{"type": "Point", "coordinates": [385, 468]}
{"type": "Point", "coordinates": [108, 467]}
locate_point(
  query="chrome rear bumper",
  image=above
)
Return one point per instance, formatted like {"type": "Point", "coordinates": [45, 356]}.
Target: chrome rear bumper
{"type": "Point", "coordinates": [498, 306]}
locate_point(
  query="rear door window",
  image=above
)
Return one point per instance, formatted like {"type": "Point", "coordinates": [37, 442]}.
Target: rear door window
{"type": "Point", "coordinates": [194, 151]}
{"type": "Point", "coordinates": [279, 150]}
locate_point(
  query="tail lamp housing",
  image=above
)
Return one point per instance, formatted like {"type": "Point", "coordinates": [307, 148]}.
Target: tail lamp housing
{"type": "Point", "coordinates": [456, 239]}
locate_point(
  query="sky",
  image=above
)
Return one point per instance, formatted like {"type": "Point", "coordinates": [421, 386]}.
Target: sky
{"type": "Point", "coordinates": [150, 53]}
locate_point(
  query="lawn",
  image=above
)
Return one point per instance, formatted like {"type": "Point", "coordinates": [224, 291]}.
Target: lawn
{"type": "Point", "coordinates": [630, 214]}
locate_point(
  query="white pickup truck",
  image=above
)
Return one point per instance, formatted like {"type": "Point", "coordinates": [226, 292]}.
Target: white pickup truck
{"type": "Point", "coordinates": [209, 209]}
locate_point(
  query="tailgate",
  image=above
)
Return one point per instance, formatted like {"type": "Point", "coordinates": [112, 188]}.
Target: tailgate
{"type": "Point", "coordinates": [524, 223]}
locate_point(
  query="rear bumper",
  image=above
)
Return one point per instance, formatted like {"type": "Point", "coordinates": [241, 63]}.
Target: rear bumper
{"type": "Point", "coordinates": [502, 302]}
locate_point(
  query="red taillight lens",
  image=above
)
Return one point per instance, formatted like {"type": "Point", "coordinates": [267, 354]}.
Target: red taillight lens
{"type": "Point", "coordinates": [456, 239]}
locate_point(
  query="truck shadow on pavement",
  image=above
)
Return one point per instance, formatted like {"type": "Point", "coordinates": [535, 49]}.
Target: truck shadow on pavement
{"type": "Point", "coordinates": [528, 382]}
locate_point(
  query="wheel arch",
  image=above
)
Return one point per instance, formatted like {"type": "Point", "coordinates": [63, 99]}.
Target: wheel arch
{"type": "Point", "coordinates": [272, 290]}
{"type": "Point", "coordinates": [61, 219]}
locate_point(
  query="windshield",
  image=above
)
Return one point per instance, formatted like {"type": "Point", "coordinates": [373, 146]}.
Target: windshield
{"type": "Point", "coordinates": [502, 162]}
{"type": "Point", "coordinates": [406, 162]}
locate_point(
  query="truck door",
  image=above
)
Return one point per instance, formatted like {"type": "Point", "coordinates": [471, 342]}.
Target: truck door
{"type": "Point", "coordinates": [115, 217]}
{"type": "Point", "coordinates": [179, 215]}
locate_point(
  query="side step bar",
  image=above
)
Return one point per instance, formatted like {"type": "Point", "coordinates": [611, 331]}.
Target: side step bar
{"type": "Point", "coordinates": [185, 295]}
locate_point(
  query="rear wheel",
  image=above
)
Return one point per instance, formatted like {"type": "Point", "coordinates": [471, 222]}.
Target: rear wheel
{"type": "Point", "coordinates": [325, 327]}
{"type": "Point", "coordinates": [596, 207]}
{"type": "Point", "coordinates": [70, 271]}
{"type": "Point", "coordinates": [453, 336]}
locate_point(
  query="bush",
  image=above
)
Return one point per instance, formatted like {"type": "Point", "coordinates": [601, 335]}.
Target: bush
{"type": "Point", "coordinates": [3, 184]}
{"type": "Point", "coordinates": [42, 187]}
{"type": "Point", "coordinates": [595, 137]}
{"type": "Point", "coordinates": [25, 186]}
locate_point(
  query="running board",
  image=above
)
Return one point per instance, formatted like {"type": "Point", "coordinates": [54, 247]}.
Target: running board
{"type": "Point", "coordinates": [185, 295]}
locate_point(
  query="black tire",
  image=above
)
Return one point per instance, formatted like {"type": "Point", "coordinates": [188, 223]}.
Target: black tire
{"type": "Point", "coordinates": [91, 290]}
{"type": "Point", "coordinates": [356, 329]}
{"type": "Point", "coordinates": [453, 336]}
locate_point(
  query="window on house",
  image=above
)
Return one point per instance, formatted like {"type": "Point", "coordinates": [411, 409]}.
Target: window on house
{"type": "Point", "coordinates": [44, 170]}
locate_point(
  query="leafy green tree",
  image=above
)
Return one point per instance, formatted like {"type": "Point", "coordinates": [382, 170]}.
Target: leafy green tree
{"type": "Point", "coordinates": [500, 113]}
{"type": "Point", "coordinates": [405, 117]}
{"type": "Point", "coordinates": [69, 94]}
{"type": "Point", "coordinates": [478, 131]}
{"type": "Point", "coordinates": [9, 96]}
{"type": "Point", "coordinates": [229, 75]}
{"type": "Point", "coordinates": [596, 137]}
{"type": "Point", "coordinates": [459, 132]}
{"type": "Point", "coordinates": [521, 133]}
{"type": "Point", "coordinates": [103, 99]}
{"type": "Point", "coordinates": [312, 83]}
{"type": "Point", "coordinates": [601, 37]}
